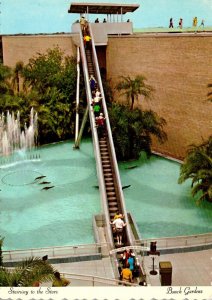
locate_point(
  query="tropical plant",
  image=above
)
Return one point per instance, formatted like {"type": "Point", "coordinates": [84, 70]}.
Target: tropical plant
{"type": "Point", "coordinates": [5, 75]}
{"type": "Point", "coordinates": [197, 166]}
{"type": "Point", "coordinates": [51, 77]}
{"type": "Point", "coordinates": [210, 92]}
{"type": "Point", "coordinates": [17, 75]}
{"type": "Point", "coordinates": [133, 88]}
{"type": "Point", "coordinates": [133, 130]}
{"type": "Point", "coordinates": [27, 273]}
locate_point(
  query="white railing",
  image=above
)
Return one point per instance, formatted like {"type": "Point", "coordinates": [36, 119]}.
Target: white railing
{"type": "Point", "coordinates": [110, 138]}
{"type": "Point", "coordinates": [99, 168]}
{"type": "Point", "coordinates": [178, 241]}
{"type": "Point", "coordinates": [54, 252]}
{"type": "Point", "coordinates": [90, 280]}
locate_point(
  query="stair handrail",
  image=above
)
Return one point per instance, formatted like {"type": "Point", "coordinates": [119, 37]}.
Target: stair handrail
{"type": "Point", "coordinates": [99, 169]}
{"type": "Point", "coordinates": [110, 138]}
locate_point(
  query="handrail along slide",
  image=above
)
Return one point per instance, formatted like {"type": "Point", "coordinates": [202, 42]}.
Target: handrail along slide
{"type": "Point", "coordinates": [99, 169]}
{"type": "Point", "coordinates": [106, 163]}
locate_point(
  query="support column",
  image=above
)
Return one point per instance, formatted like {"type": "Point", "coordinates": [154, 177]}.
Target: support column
{"type": "Point", "coordinates": [77, 96]}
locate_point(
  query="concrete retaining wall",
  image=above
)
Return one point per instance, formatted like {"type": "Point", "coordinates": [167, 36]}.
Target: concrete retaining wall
{"type": "Point", "coordinates": [178, 66]}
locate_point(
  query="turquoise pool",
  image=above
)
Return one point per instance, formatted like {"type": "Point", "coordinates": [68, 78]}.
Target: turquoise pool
{"type": "Point", "coordinates": [160, 206]}
{"type": "Point", "coordinates": [31, 217]}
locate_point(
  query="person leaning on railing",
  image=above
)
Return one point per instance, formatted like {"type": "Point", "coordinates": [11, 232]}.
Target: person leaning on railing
{"type": "Point", "coordinates": [60, 281]}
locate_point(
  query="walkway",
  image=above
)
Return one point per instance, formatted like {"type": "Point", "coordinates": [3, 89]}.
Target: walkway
{"type": "Point", "coordinates": [189, 269]}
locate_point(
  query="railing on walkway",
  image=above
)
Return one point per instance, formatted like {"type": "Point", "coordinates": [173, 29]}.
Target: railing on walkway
{"type": "Point", "coordinates": [178, 241]}
{"type": "Point", "coordinates": [90, 280]}
{"type": "Point", "coordinates": [55, 252]}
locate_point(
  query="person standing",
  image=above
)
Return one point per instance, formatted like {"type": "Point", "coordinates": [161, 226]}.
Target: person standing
{"type": "Point", "coordinates": [97, 93]}
{"type": "Point", "coordinates": [126, 274]}
{"type": "Point", "coordinates": [131, 261]}
{"type": "Point", "coordinates": [180, 23]}
{"type": "Point", "coordinates": [92, 81]}
{"type": "Point", "coordinates": [87, 40]}
{"type": "Point", "coordinates": [119, 225]}
{"type": "Point", "coordinates": [83, 24]}
{"type": "Point", "coordinates": [171, 25]}
{"type": "Point", "coordinates": [195, 22]}
{"type": "Point", "coordinates": [202, 23]}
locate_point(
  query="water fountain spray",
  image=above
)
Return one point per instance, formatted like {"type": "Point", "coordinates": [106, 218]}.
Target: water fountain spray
{"type": "Point", "coordinates": [11, 136]}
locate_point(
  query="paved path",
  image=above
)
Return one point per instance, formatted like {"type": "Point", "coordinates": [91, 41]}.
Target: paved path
{"type": "Point", "coordinates": [192, 268]}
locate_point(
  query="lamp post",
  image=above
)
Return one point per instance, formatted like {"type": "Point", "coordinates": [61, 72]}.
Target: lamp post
{"type": "Point", "coordinates": [153, 253]}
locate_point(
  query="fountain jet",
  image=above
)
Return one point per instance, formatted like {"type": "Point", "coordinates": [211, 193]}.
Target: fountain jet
{"type": "Point", "coordinates": [12, 138]}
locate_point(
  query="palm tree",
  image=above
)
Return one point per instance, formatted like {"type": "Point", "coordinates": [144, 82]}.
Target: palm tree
{"type": "Point", "coordinates": [27, 273]}
{"type": "Point", "coordinates": [134, 87]}
{"type": "Point", "coordinates": [198, 167]}
{"type": "Point", "coordinates": [5, 75]}
{"type": "Point", "coordinates": [210, 92]}
{"type": "Point", "coordinates": [133, 130]}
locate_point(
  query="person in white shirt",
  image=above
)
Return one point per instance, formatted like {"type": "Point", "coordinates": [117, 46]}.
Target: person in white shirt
{"type": "Point", "coordinates": [119, 225]}
{"type": "Point", "coordinates": [97, 92]}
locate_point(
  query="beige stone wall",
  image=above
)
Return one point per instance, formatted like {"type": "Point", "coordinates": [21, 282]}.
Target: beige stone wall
{"type": "Point", "coordinates": [179, 67]}
{"type": "Point", "coordinates": [22, 48]}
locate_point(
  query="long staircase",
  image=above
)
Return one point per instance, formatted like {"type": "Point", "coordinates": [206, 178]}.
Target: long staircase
{"type": "Point", "coordinates": [107, 168]}
{"type": "Point", "coordinates": [107, 165]}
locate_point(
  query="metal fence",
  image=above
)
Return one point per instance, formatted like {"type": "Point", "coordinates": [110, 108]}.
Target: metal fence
{"type": "Point", "coordinates": [178, 241]}
{"type": "Point", "coordinates": [92, 249]}
{"type": "Point", "coordinates": [89, 280]}
{"type": "Point", "coordinates": [54, 252]}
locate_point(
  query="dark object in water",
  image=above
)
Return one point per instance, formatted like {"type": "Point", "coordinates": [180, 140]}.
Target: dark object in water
{"type": "Point", "coordinates": [131, 167]}
{"type": "Point", "coordinates": [40, 177]}
{"type": "Point", "coordinates": [48, 187]}
{"type": "Point", "coordinates": [44, 182]}
{"type": "Point", "coordinates": [96, 186]}
{"type": "Point", "coordinates": [126, 186]}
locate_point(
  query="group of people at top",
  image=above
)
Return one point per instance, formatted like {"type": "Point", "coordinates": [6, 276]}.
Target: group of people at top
{"type": "Point", "coordinates": [180, 23]}
{"type": "Point", "coordinates": [97, 20]}
{"type": "Point", "coordinates": [195, 22]}
{"type": "Point", "coordinates": [97, 106]}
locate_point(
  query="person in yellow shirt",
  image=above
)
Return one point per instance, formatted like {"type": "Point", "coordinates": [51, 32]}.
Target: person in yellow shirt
{"type": "Point", "coordinates": [118, 215]}
{"type": "Point", "coordinates": [126, 274]}
{"type": "Point", "coordinates": [60, 281]}
{"type": "Point", "coordinates": [87, 40]}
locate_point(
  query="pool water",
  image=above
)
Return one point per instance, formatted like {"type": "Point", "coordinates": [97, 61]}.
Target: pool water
{"type": "Point", "coordinates": [31, 217]}
{"type": "Point", "coordinates": [160, 206]}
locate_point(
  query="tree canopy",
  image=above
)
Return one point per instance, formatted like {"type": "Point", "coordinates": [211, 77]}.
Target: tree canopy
{"type": "Point", "coordinates": [197, 166]}
{"type": "Point", "coordinates": [47, 83]}
{"type": "Point", "coordinates": [133, 130]}
{"type": "Point", "coordinates": [133, 88]}
{"type": "Point", "coordinates": [28, 272]}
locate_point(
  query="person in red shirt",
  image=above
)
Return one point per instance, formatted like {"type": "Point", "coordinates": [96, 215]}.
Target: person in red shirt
{"type": "Point", "coordinates": [100, 123]}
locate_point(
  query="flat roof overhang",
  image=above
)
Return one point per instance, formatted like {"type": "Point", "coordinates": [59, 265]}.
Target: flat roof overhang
{"type": "Point", "coordinates": [102, 8]}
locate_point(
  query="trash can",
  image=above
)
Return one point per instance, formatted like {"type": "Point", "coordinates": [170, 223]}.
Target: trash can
{"type": "Point", "coordinates": [165, 268]}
